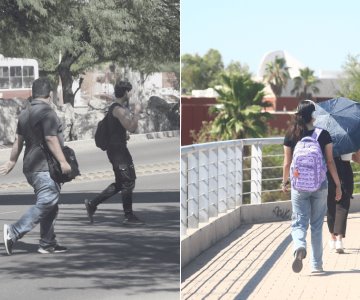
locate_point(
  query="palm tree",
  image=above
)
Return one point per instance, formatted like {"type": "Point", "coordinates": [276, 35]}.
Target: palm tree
{"type": "Point", "coordinates": [239, 112]}
{"type": "Point", "coordinates": [305, 84]}
{"type": "Point", "coordinates": [277, 75]}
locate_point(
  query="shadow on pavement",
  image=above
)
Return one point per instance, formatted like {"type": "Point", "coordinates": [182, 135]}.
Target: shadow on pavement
{"type": "Point", "coordinates": [203, 260]}
{"type": "Point", "coordinates": [105, 255]}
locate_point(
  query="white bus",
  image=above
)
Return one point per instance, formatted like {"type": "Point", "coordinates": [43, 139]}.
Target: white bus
{"type": "Point", "coordinates": [17, 76]}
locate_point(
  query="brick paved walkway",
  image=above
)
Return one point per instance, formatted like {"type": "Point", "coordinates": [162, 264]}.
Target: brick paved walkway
{"type": "Point", "coordinates": [254, 262]}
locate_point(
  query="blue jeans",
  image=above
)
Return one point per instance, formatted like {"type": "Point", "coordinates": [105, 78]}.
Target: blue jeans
{"type": "Point", "coordinates": [44, 211]}
{"type": "Point", "coordinates": [309, 207]}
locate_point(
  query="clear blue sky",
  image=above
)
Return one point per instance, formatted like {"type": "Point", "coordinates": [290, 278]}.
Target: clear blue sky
{"type": "Point", "coordinates": [318, 33]}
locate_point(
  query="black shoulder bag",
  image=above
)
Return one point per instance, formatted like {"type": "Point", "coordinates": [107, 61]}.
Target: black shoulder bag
{"type": "Point", "coordinates": [54, 166]}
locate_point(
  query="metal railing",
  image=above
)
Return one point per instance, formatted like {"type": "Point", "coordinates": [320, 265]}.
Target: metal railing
{"type": "Point", "coordinates": [216, 178]}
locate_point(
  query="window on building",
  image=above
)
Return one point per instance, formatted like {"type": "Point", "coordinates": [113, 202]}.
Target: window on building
{"type": "Point", "coordinates": [28, 76]}
{"type": "Point", "coordinates": [4, 77]}
{"type": "Point", "coordinates": [15, 78]}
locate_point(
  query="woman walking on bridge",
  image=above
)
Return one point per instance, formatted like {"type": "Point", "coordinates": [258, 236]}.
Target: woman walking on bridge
{"type": "Point", "coordinates": [307, 155]}
{"type": "Point", "coordinates": [338, 210]}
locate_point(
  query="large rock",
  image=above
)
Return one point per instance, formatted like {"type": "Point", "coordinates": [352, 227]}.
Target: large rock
{"type": "Point", "coordinates": [80, 124]}
{"type": "Point", "coordinates": [9, 112]}
{"type": "Point", "coordinates": [85, 124]}
{"type": "Point", "coordinates": [161, 115]}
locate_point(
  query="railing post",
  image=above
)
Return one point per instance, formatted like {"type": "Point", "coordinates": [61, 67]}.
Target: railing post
{"type": "Point", "coordinates": [230, 177]}
{"type": "Point", "coordinates": [239, 173]}
{"type": "Point", "coordinates": [193, 190]}
{"type": "Point", "coordinates": [203, 186]}
{"type": "Point", "coordinates": [213, 182]}
{"type": "Point", "coordinates": [256, 173]}
{"type": "Point", "coordinates": [222, 184]}
{"type": "Point", "coordinates": [184, 195]}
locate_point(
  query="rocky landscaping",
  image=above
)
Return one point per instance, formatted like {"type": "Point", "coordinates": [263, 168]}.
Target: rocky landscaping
{"type": "Point", "coordinates": [160, 114]}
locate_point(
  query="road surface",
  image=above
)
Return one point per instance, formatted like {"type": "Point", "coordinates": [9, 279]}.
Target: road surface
{"type": "Point", "coordinates": [106, 260]}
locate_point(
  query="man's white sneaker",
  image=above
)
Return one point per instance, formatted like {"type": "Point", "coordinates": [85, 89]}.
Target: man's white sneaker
{"type": "Point", "coordinates": [317, 270]}
{"type": "Point", "coordinates": [339, 247]}
{"type": "Point", "coordinates": [8, 242]}
{"type": "Point", "coordinates": [52, 249]}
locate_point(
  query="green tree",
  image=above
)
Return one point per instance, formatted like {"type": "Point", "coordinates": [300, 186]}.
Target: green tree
{"type": "Point", "coordinates": [235, 67]}
{"type": "Point", "coordinates": [134, 33]}
{"type": "Point", "coordinates": [350, 84]}
{"type": "Point", "coordinates": [305, 84]}
{"type": "Point", "coordinates": [277, 75]}
{"type": "Point", "coordinates": [201, 72]}
{"type": "Point", "coordinates": [239, 112]}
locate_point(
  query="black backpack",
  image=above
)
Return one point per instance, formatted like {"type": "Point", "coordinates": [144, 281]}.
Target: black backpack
{"type": "Point", "coordinates": [102, 133]}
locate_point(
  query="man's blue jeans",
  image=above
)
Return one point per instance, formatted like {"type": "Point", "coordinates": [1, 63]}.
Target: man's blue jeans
{"type": "Point", "coordinates": [44, 211]}
{"type": "Point", "coordinates": [309, 207]}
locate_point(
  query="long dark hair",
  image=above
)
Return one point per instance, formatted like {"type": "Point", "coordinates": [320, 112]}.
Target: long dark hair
{"type": "Point", "coordinates": [303, 116]}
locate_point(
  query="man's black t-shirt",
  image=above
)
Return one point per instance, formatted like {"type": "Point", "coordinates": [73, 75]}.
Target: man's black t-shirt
{"type": "Point", "coordinates": [118, 152]}
{"type": "Point", "coordinates": [34, 126]}
{"type": "Point", "coordinates": [323, 139]}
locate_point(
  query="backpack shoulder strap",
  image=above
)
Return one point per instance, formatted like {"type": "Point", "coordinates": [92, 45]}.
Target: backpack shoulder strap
{"type": "Point", "coordinates": [112, 107]}
{"type": "Point", "coordinates": [316, 133]}
{"type": "Point", "coordinates": [109, 115]}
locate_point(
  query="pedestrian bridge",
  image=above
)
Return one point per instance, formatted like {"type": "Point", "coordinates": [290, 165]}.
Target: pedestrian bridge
{"type": "Point", "coordinates": [235, 226]}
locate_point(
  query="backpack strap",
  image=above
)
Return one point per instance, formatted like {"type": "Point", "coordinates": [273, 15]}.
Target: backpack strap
{"type": "Point", "coordinates": [316, 133]}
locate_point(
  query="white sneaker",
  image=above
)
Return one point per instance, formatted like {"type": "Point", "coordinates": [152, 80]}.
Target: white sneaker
{"type": "Point", "coordinates": [339, 247]}
{"type": "Point", "coordinates": [317, 270]}
{"type": "Point", "coordinates": [332, 245]}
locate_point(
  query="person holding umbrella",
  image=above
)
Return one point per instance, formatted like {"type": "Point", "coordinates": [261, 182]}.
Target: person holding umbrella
{"type": "Point", "coordinates": [308, 195]}
{"type": "Point", "coordinates": [338, 209]}
{"type": "Point", "coordinates": [341, 118]}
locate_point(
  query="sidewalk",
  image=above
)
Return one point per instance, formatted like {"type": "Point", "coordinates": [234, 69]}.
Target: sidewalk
{"type": "Point", "coordinates": [254, 262]}
{"type": "Point", "coordinates": [136, 137]}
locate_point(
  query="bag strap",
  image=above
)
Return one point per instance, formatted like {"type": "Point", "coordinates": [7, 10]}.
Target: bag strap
{"type": "Point", "coordinates": [109, 114]}
{"type": "Point", "coordinates": [44, 147]}
{"type": "Point", "coordinates": [316, 133]}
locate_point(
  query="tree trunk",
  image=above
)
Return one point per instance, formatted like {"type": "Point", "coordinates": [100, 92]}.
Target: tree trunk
{"type": "Point", "coordinates": [66, 77]}
{"type": "Point", "coordinates": [66, 80]}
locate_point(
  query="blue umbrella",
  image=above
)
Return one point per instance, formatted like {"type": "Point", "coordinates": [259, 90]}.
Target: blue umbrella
{"type": "Point", "coordinates": [341, 117]}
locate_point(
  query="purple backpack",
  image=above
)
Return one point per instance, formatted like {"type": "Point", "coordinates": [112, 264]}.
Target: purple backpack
{"type": "Point", "coordinates": [308, 169]}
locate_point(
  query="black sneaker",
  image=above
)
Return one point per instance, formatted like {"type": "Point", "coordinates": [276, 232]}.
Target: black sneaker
{"type": "Point", "coordinates": [52, 249]}
{"type": "Point", "coordinates": [299, 256]}
{"type": "Point", "coordinates": [131, 219]}
{"type": "Point", "coordinates": [7, 240]}
{"type": "Point", "coordinates": [90, 210]}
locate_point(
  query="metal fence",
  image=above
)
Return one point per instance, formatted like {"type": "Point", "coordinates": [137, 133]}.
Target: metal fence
{"type": "Point", "coordinates": [212, 178]}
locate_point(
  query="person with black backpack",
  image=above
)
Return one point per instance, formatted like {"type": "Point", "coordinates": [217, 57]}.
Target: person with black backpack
{"type": "Point", "coordinates": [111, 136]}
{"type": "Point", "coordinates": [308, 153]}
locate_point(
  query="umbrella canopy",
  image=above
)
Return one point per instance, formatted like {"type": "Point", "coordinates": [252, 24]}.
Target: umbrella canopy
{"type": "Point", "coordinates": [341, 117]}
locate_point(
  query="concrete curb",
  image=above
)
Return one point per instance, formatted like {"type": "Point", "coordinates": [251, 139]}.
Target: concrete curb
{"type": "Point", "coordinates": [133, 138]}
{"type": "Point", "coordinates": [140, 137]}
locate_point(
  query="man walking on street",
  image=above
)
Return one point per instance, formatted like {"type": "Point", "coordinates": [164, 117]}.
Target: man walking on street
{"type": "Point", "coordinates": [38, 124]}
{"type": "Point", "coordinates": [120, 120]}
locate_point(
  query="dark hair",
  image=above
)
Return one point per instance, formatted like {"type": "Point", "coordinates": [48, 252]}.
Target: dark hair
{"type": "Point", "coordinates": [41, 88]}
{"type": "Point", "coordinates": [121, 87]}
{"type": "Point", "coordinates": [303, 116]}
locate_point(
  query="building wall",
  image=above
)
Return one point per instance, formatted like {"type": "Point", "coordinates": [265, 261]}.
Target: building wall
{"type": "Point", "coordinates": [290, 103]}
{"type": "Point", "coordinates": [280, 121]}
{"type": "Point", "coordinates": [193, 112]}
